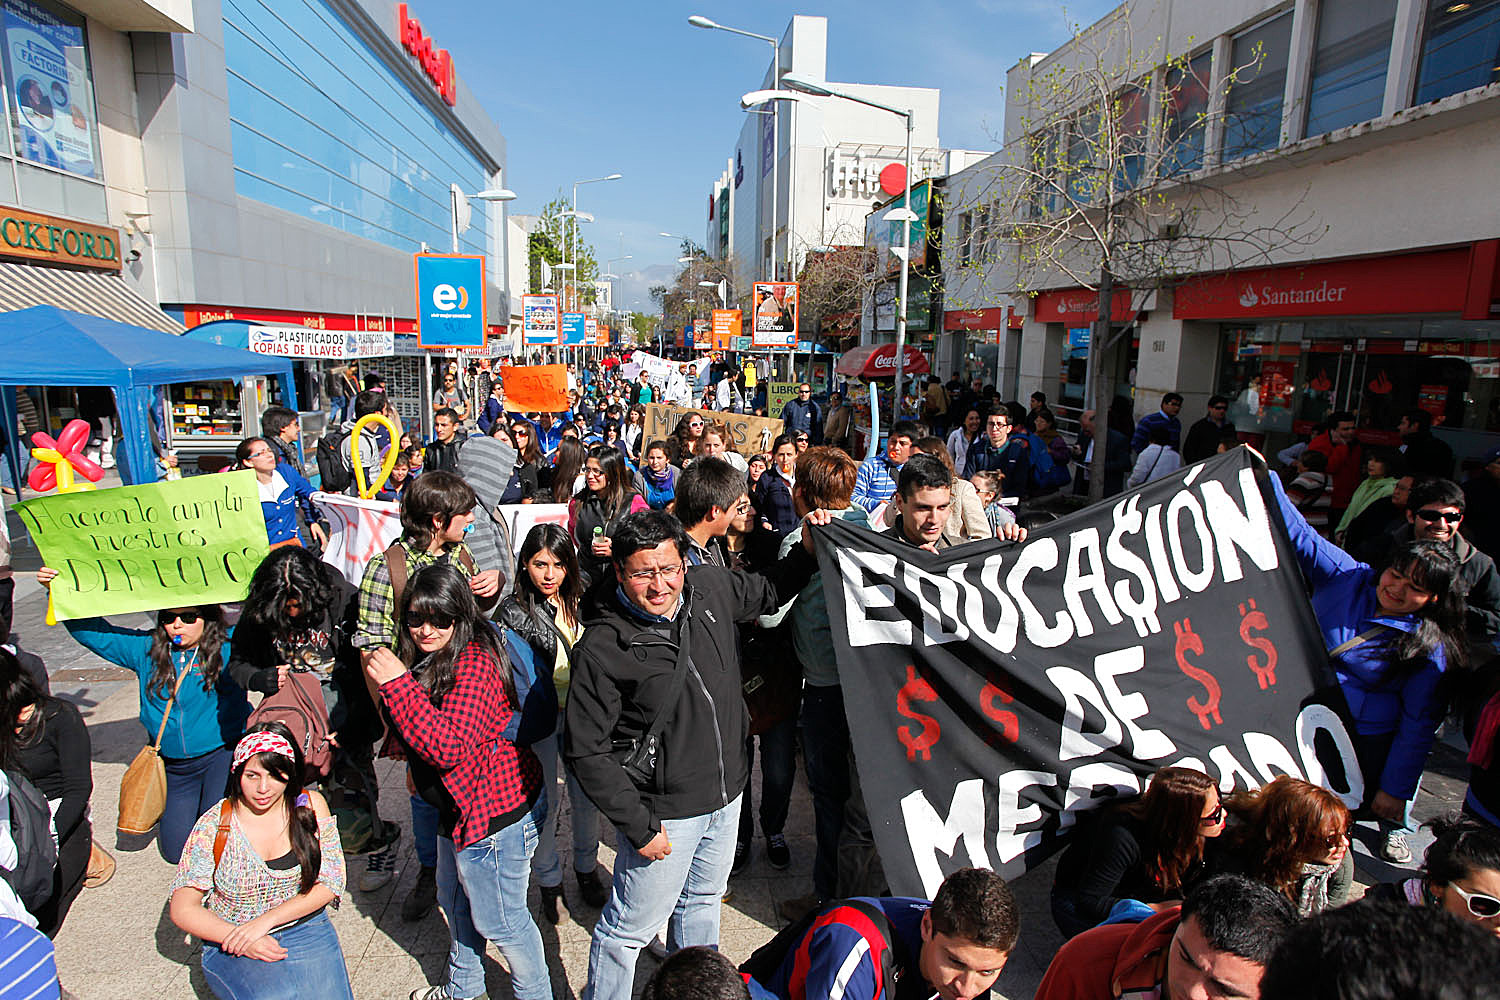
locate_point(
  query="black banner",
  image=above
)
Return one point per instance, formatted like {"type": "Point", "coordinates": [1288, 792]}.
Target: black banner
{"type": "Point", "coordinates": [995, 691]}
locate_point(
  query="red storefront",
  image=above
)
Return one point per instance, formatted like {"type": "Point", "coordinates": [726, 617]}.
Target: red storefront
{"type": "Point", "coordinates": [982, 341]}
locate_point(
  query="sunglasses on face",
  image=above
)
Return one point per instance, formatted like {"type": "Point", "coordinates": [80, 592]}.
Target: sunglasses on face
{"type": "Point", "coordinates": [1434, 516]}
{"type": "Point", "coordinates": [186, 617]}
{"type": "Point", "coordinates": [416, 619]}
{"type": "Point", "coordinates": [1214, 818]}
{"type": "Point", "coordinates": [1480, 904]}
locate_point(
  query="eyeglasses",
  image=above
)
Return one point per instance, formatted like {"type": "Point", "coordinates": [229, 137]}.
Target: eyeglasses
{"type": "Point", "coordinates": [743, 507]}
{"type": "Point", "coordinates": [1480, 904]}
{"type": "Point", "coordinates": [1214, 818]}
{"type": "Point", "coordinates": [259, 454]}
{"type": "Point", "coordinates": [416, 619]}
{"type": "Point", "coordinates": [1334, 839]}
{"type": "Point", "coordinates": [1434, 516]}
{"type": "Point", "coordinates": [647, 575]}
{"type": "Point", "coordinates": [186, 617]}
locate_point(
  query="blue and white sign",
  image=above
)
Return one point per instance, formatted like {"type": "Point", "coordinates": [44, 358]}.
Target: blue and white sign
{"type": "Point", "coordinates": [52, 97]}
{"type": "Point", "coordinates": [450, 300]}
{"type": "Point", "coordinates": [539, 319]}
{"type": "Point", "coordinates": [573, 329]}
{"type": "Point", "coordinates": [1079, 337]}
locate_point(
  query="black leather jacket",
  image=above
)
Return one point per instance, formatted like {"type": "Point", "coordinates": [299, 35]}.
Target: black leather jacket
{"type": "Point", "coordinates": [539, 632]}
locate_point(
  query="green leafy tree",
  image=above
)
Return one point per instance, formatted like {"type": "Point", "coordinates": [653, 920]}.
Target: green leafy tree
{"type": "Point", "coordinates": [552, 242]}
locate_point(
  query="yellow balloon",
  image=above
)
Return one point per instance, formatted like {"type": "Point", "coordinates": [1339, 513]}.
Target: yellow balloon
{"type": "Point", "coordinates": [46, 455]}
{"type": "Point", "coordinates": [64, 476]}
{"type": "Point", "coordinates": [366, 490]}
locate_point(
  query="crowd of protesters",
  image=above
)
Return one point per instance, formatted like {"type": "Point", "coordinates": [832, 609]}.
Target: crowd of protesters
{"type": "Point", "coordinates": [674, 622]}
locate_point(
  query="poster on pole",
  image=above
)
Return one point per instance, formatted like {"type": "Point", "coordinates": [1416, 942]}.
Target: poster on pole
{"type": "Point", "coordinates": [539, 319]}
{"type": "Point", "coordinates": [141, 548]}
{"type": "Point", "coordinates": [778, 394]}
{"type": "Point", "coordinates": [775, 314]}
{"type": "Point", "coordinates": [450, 300]}
{"type": "Point", "coordinates": [572, 329]}
{"type": "Point", "coordinates": [590, 330]}
{"type": "Point", "coordinates": [726, 328]}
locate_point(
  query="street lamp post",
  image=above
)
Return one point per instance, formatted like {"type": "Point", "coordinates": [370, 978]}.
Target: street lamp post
{"type": "Point", "coordinates": [460, 201]}
{"type": "Point", "coordinates": [905, 216]}
{"type": "Point", "coordinates": [575, 215]}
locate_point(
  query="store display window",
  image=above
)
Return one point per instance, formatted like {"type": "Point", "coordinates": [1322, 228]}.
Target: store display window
{"type": "Point", "coordinates": [206, 409]}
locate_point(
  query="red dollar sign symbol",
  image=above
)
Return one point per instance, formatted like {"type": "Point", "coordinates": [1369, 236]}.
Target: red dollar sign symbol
{"type": "Point", "coordinates": [991, 697]}
{"type": "Point", "coordinates": [917, 689]}
{"type": "Point", "coordinates": [1265, 673]}
{"type": "Point", "coordinates": [1189, 641]}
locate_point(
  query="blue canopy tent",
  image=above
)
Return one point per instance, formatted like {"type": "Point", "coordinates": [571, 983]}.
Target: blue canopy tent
{"type": "Point", "coordinates": [45, 345]}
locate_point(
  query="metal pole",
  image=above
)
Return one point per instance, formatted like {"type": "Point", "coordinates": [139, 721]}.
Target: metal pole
{"type": "Point", "coordinates": [775, 158]}
{"type": "Point", "coordinates": [905, 278]}
{"type": "Point", "coordinates": [453, 217]}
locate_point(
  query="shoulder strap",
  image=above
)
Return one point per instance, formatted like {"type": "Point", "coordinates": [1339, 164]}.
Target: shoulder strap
{"type": "Point", "coordinates": [395, 565]}
{"type": "Point", "coordinates": [467, 558]}
{"type": "Point", "coordinates": [1358, 640]}
{"type": "Point", "coordinates": [161, 730]}
{"type": "Point", "coordinates": [679, 679]}
{"type": "Point", "coordinates": [226, 810]}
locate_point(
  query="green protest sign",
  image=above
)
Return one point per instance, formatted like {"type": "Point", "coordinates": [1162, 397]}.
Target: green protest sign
{"type": "Point", "coordinates": [140, 548]}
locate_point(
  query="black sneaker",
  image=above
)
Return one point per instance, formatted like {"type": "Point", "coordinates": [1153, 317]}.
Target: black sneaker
{"type": "Point", "coordinates": [551, 895]}
{"type": "Point", "coordinates": [741, 858]}
{"type": "Point", "coordinates": [594, 892]}
{"type": "Point", "coordinates": [422, 898]}
{"type": "Point", "coordinates": [777, 852]}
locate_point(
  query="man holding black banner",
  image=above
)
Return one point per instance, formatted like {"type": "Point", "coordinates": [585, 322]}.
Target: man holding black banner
{"type": "Point", "coordinates": [656, 733]}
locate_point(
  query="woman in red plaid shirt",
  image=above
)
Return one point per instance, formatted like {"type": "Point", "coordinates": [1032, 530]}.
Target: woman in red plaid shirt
{"type": "Point", "coordinates": [450, 695]}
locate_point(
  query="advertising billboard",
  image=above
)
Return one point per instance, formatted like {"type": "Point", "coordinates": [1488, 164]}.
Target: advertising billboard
{"type": "Point", "coordinates": [881, 234]}
{"type": "Point", "coordinates": [775, 314]}
{"type": "Point", "coordinates": [47, 72]}
{"type": "Point", "coordinates": [539, 319]}
{"type": "Point", "coordinates": [572, 329]}
{"type": "Point", "coordinates": [726, 328]}
{"type": "Point", "coordinates": [450, 300]}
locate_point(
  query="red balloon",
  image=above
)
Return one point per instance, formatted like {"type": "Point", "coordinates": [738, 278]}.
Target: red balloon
{"type": "Point", "coordinates": [73, 437]}
{"type": "Point", "coordinates": [42, 477]}
{"type": "Point", "coordinates": [41, 439]}
{"type": "Point", "coordinates": [85, 466]}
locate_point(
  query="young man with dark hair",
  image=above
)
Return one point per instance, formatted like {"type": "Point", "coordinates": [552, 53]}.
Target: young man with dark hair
{"type": "Point", "coordinates": [1425, 454]}
{"type": "Point", "coordinates": [661, 648]}
{"type": "Point", "coordinates": [442, 454]}
{"type": "Point", "coordinates": [1216, 944]}
{"type": "Point", "coordinates": [696, 973]}
{"type": "Point", "coordinates": [953, 948]}
{"type": "Point", "coordinates": [877, 474]}
{"type": "Point", "coordinates": [709, 494]}
{"type": "Point", "coordinates": [1171, 405]}
{"type": "Point", "coordinates": [281, 428]}
{"type": "Point", "coordinates": [1003, 452]}
{"type": "Point", "coordinates": [1381, 951]}
{"type": "Point", "coordinates": [1345, 459]}
{"type": "Point", "coordinates": [924, 497]}
{"type": "Point", "coordinates": [1203, 437]}
{"type": "Point", "coordinates": [369, 450]}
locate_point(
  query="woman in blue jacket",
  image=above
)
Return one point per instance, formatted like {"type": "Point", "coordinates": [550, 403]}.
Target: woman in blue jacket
{"type": "Point", "coordinates": [281, 489]}
{"type": "Point", "coordinates": [190, 645]}
{"type": "Point", "coordinates": [1390, 635]}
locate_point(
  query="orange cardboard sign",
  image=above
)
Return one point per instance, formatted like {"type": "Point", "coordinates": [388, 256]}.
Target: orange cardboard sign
{"type": "Point", "coordinates": [538, 388]}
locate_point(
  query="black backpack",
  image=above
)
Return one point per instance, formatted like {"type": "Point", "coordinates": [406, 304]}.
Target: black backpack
{"type": "Point", "coordinates": [765, 961]}
{"type": "Point", "coordinates": [334, 474]}
{"type": "Point", "coordinates": [31, 829]}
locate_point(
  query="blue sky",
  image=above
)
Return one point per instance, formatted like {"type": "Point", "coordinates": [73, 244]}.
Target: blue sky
{"type": "Point", "coordinates": [590, 88]}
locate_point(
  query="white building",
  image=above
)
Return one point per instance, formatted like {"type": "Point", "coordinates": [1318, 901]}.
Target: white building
{"type": "Point", "coordinates": [1376, 117]}
{"type": "Point", "coordinates": [829, 161]}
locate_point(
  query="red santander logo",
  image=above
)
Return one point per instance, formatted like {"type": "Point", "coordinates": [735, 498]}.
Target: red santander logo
{"type": "Point", "coordinates": [436, 63]}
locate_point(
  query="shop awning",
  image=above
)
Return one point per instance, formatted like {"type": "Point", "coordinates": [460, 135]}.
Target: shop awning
{"type": "Point", "coordinates": [90, 292]}
{"type": "Point", "coordinates": [879, 361]}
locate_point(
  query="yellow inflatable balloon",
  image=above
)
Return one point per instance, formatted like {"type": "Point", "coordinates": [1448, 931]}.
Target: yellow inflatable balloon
{"type": "Point", "coordinates": [368, 490]}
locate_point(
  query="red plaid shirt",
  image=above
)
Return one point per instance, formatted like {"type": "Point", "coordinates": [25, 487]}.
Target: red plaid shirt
{"type": "Point", "coordinates": [488, 776]}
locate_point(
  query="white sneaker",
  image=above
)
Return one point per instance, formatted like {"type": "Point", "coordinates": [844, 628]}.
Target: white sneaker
{"type": "Point", "coordinates": [1395, 849]}
{"type": "Point", "coordinates": [380, 868]}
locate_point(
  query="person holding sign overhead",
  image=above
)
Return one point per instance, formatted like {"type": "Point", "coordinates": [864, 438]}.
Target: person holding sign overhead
{"type": "Point", "coordinates": [179, 668]}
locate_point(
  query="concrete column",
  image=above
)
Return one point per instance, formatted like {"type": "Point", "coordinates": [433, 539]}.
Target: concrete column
{"type": "Point", "coordinates": [1406, 45]}
{"type": "Point", "coordinates": [1299, 71]}
{"type": "Point", "coordinates": [1038, 358]}
{"type": "Point", "coordinates": [1176, 356]}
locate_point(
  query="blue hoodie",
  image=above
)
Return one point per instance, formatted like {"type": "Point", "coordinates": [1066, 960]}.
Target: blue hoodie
{"type": "Point", "coordinates": [1406, 708]}
{"type": "Point", "coordinates": [201, 721]}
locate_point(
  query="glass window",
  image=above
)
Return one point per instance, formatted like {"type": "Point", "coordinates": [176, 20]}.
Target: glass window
{"type": "Point", "coordinates": [1083, 158]}
{"type": "Point", "coordinates": [1349, 64]}
{"type": "Point", "coordinates": [1252, 111]}
{"type": "Point", "coordinates": [50, 88]}
{"type": "Point", "coordinates": [1132, 103]}
{"type": "Point", "coordinates": [1185, 105]}
{"type": "Point", "coordinates": [1460, 48]}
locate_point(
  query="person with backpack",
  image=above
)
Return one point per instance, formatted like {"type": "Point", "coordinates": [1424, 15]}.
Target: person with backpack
{"type": "Point", "coordinates": [259, 872]}
{"type": "Point", "coordinates": [544, 611]}
{"type": "Point", "coordinates": [43, 741]}
{"type": "Point", "coordinates": [954, 947]}
{"type": "Point", "coordinates": [179, 670]}
{"type": "Point", "coordinates": [451, 696]}
{"type": "Point", "coordinates": [337, 449]}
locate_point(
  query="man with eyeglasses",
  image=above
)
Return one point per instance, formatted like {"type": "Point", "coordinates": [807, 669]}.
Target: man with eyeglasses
{"type": "Point", "coordinates": [999, 451]}
{"type": "Point", "coordinates": [656, 733]}
{"type": "Point", "coordinates": [803, 416]}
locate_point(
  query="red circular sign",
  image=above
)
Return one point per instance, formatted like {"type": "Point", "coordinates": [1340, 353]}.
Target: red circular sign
{"type": "Point", "coordinates": [893, 179]}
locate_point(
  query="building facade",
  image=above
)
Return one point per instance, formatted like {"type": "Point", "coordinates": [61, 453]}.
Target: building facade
{"type": "Point", "coordinates": [1373, 122]}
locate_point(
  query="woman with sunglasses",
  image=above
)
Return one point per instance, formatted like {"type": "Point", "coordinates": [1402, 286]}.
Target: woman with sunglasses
{"type": "Point", "coordinates": [260, 870]}
{"type": "Point", "coordinates": [185, 653]}
{"type": "Point", "coordinates": [1460, 874]}
{"type": "Point", "coordinates": [685, 438]}
{"type": "Point", "coordinates": [450, 695]}
{"type": "Point", "coordinates": [1148, 852]}
{"type": "Point", "coordinates": [1391, 634]}
{"type": "Point", "coordinates": [1293, 836]}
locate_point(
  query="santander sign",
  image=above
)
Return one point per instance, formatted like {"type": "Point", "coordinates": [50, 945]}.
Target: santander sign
{"type": "Point", "coordinates": [435, 62]}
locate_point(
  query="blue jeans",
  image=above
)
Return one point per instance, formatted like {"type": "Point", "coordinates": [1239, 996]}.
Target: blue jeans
{"type": "Point", "coordinates": [424, 830]}
{"type": "Point", "coordinates": [825, 751]}
{"type": "Point", "coordinates": [547, 866]}
{"type": "Point", "coordinates": [194, 786]}
{"type": "Point", "coordinates": [778, 766]}
{"type": "Point", "coordinates": [684, 890]}
{"type": "Point", "coordinates": [313, 967]}
{"type": "Point", "coordinates": [482, 890]}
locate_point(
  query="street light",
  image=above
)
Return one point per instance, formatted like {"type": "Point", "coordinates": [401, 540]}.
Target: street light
{"type": "Point", "coordinates": [699, 21]}
{"type": "Point", "coordinates": [459, 217]}
{"type": "Point", "coordinates": [904, 215]}
{"type": "Point", "coordinates": [576, 216]}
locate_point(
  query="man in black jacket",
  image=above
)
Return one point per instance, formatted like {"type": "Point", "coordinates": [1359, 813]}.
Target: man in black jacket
{"type": "Point", "coordinates": [1203, 437]}
{"type": "Point", "coordinates": [442, 454]}
{"type": "Point", "coordinates": [660, 647]}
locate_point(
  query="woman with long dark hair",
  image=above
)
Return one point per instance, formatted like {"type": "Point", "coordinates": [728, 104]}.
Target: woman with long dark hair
{"type": "Point", "coordinates": [633, 430]}
{"type": "Point", "coordinates": [1148, 851]}
{"type": "Point", "coordinates": [684, 439]}
{"type": "Point", "coordinates": [180, 661]}
{"type": "Point", "coordinates": [543, 609]}
{"type": "Point", "coordinates": [44, 738]}
{"type": "Point", "coordinates": [1293, 836]}
{"type": "Point", "coordinates": [1391, 635]}
{"type": "Point", "coordinates": [450, 695]}
{"type": "Point", "coordinates": [282, 489]}
{"type": "Point", "coordinates": [567, 471]}
{"type": "Point", "coordinates": [260, 869]}
{"type": "Point", "coordinates": [608, 494]}
{"type": "Point", "coordinates": [1460, 873]}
